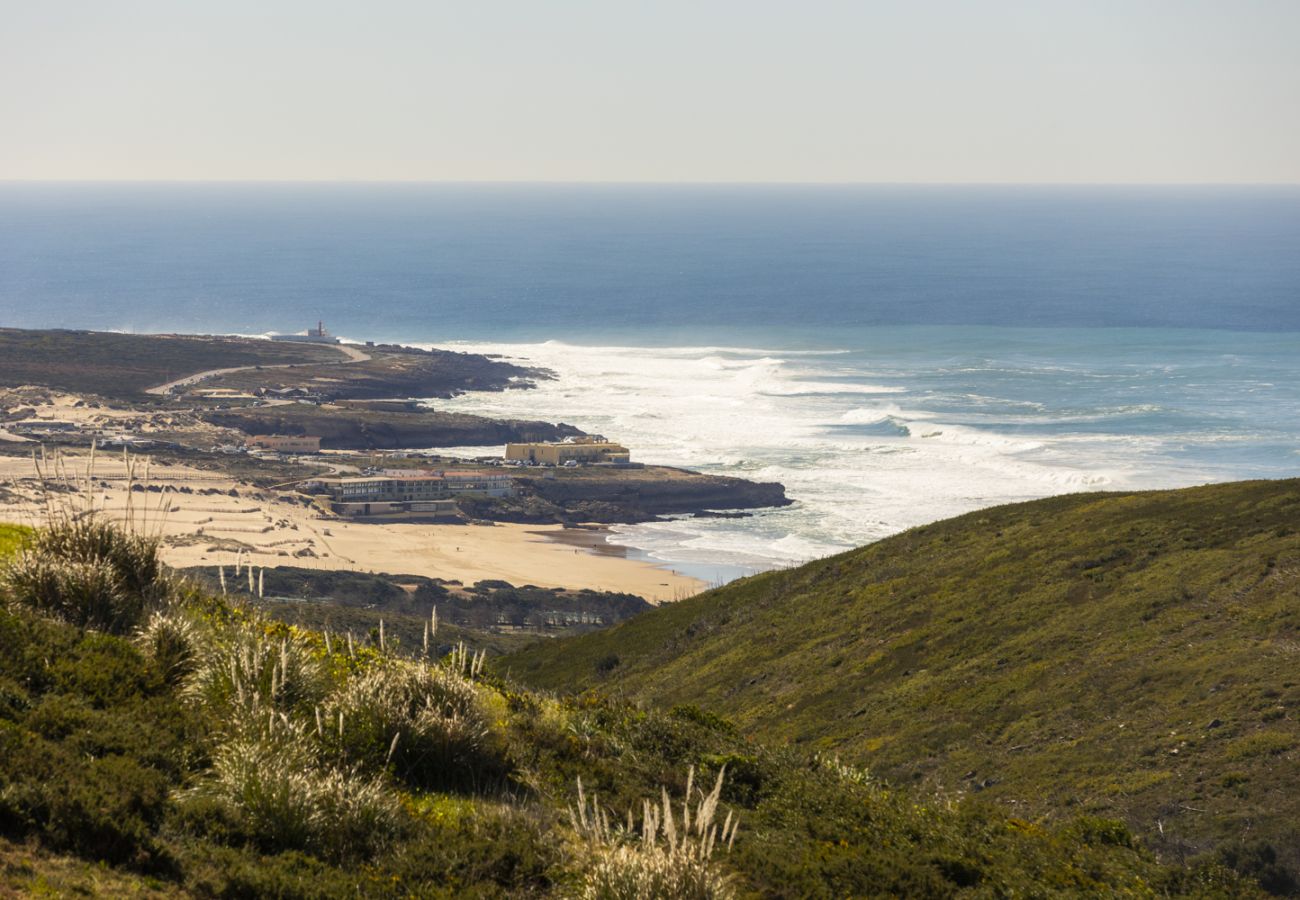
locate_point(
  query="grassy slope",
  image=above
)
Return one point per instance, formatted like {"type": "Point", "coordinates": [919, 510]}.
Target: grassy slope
{"type": "Point", "coordinates": [1133, 655]}
{"type": "Point", "coordinates": [124, 365]}
{"type": "Point", "coordinates": [97, 744]}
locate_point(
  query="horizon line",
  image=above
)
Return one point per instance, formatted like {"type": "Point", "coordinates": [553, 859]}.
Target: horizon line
{"type": "Point", "coordinates": [628, 183]}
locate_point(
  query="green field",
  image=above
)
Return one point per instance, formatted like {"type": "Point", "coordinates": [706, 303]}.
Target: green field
{"type": "Point", "coordinates": [1126, 655]}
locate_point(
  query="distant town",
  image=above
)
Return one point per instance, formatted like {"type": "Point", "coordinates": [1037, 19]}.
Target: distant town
{"type": "Point", "coordinates": [287, 448]}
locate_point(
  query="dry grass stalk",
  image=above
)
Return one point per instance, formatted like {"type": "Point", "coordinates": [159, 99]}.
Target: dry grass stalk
{"type": "Point", "coordinates": [658, 859]}
{"type": "Point", "coordinates": [466, 663]}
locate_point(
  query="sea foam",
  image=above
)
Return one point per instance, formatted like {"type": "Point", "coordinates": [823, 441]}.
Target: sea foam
{"type": "Point", "coordinates": [950, 438]}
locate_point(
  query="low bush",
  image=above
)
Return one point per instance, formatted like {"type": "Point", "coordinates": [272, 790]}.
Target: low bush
{"type": "Point", "coordinates": [284, 798]}
{"type": "Point", "coordinates": [105, 808]}
{"type": "Point", "coordinates": [631, 873]}
{"type": "Point", "coordinates": [429, 724]}
{"type": "Point", "coordinates": [132, 557]}
{"type": "Point", "coordinates": [244, 665]}
{"type": "Point", "coordinates": [243, 872]}
{"type": "Point", "coordinates": [85, 594]}
{"type": "Point", "coordinates": [494, 848]}
{"type": "Point", "coordinates": [171, 641]}
{"type": "Point", "coordinates": [88, 573]}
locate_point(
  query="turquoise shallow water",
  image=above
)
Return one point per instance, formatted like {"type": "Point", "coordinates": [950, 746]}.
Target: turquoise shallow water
{"type": "Point", "coordinates": [893, 355]}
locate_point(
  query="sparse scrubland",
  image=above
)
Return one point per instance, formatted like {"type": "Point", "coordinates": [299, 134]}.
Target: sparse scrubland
{"type": "Point", "coordinates": [1127, 656]}
{"type": "Point", "coordinates": [156, 739]}
{"type": "Point", "coordinates": [124, 366]}
{"type": "Point", "coordinates": [119, 366]}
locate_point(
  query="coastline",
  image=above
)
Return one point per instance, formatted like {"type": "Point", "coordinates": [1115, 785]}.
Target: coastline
{"type": "Point", "coordinates": [207, 519]}
{"type": "Point", "coordinates": [605, 540]}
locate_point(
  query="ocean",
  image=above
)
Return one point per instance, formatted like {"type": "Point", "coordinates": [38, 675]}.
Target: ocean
{"type": "Point", "coordinates": [893, 355]}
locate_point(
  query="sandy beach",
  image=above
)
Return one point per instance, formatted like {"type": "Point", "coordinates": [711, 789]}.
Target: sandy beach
{"type": "Point", "coordinates": [207, 519]}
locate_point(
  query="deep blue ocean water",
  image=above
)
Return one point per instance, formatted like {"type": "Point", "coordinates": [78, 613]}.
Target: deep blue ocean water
{"type": "Point", "coordinates": [892, 354]}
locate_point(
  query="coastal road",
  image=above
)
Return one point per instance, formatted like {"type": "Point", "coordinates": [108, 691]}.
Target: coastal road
{"type": "Point", "coordinates": [353, 354]}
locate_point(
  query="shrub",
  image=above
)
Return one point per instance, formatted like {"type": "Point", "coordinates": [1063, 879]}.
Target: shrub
{"type": "Point", "coordinates": [429, 723]}
{"type": "Point", "coordinates": [103, 670]}
{"type": "Point", "coordinates": [710, 720]}
{"type": "Point", "coordinates": [88, 573]}
{"type": "Point", "coordinates": [519, 850]}
{"type": "Point", "coordinates": [1258, 860]}
{"type": "Point", "coordinates": [172, 642]}
{"type": "Point", "coordinates": [103, 808]}
{"type": "Point", "coordinates": [1260, 743]}
{"type": "Point", "coordinates": [215, 871]}
{"type": "Point", "coordinates": [244, 667]}
{"type": "Point", "coordinates": [268, 782]}
{"type": "Point", "coordinates": [607, 663]}
{"type": "Point", "coordinates": [285, 799]}
{"type": "Point", "coordinates": [1098, 831]}
{"type": "Point", "coordinates": [85, 594]}
{"type": "Point", "coordinates": [133, 558]}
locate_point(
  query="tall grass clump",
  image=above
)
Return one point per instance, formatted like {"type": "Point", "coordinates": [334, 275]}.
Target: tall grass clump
{"type": "Point", "coordinates": [429, 724]}
{"type": "Point", "coordinates": [88, 573]}
{"type": "Point", "coordinates": [270, 774]}
{"type": "Point", "coordinates": [172, 640]}
{"type": "Point", "coordinates": [661, 859]}
{"type": "Point", "coordinates": [133, 557]}
{"type": "Point", "coordinates": [246, 666]}
{"type": "Point", "coordinates": [82, 568]}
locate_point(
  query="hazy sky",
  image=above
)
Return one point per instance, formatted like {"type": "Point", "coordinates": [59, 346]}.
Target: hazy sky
{"type": "Point", "coordinates": [703, 90]}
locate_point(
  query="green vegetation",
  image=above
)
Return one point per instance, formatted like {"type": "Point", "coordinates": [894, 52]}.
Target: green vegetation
{"type": "Point", "coordinates": [404, 632]}
{"type": "Point", "coordinates": [210, 751]}
{"type": "Point", "coordinates": [125, 365]}
{"type": "Point", "coordinates": [393, 372]}
{"type": "Point", "coordinates": [354, 428]}
{"type": "Point", "coordinates": [87, 573]}
{"type": "Point", "coordinates": [482, 606]}
{"type": "Point", "coordinates": [1129, 656]}
{"type": "Point", "coordinates": [11, 538]}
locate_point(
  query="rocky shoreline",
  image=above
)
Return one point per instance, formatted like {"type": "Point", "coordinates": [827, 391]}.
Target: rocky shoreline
{"type": "Point", "coordinates": [178, 395]}
{"type": "Point", "coordinates": [360, 428]}
{"type": "Point", "coordinates": [625, 496]}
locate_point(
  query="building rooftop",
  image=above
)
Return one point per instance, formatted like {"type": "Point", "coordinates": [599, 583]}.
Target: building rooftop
{"type": "Point", "coordinates": [414, 476]}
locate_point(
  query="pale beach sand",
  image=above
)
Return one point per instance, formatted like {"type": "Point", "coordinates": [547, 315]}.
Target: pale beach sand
{"type": "Point", "coordinates": [211, 529]}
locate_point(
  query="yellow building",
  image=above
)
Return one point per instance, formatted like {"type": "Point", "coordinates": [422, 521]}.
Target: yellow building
{"type": "Point", "coordinates": [579, 451]}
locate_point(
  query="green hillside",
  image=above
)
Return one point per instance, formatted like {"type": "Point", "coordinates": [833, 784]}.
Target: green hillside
{"type": "Point", "coordinates": [159, 741]}
{"type": "Point", "coordinates": [1127, 655]}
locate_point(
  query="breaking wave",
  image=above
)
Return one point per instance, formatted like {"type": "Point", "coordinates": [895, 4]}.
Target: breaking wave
{"type": "Point", "coordinates": [949, 439]}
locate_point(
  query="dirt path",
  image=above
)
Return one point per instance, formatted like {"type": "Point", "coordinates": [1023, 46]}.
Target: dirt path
{"type": "Point", "coordinates": [353, 355]}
